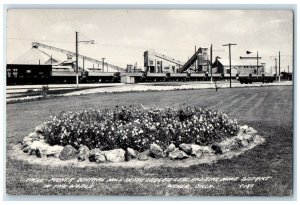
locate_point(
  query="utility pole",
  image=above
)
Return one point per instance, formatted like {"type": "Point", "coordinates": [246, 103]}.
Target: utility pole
{"type": "Point", "coordinates": [196, 59]}
{"type": "Point", "coordinates": [257, 64]}
{"type": "Point", "coordinates": [77, 80]}
{"type": "Point", "coordinates": [276, 67]}
{"type": "Point", "coordinates": [103, 64]}
{"type": "Point", "coordinates": [76, 45]}
{"type": "Point", "coordinates": [83, 64]}
{"type": "Point", "coordinates": [211, 51]}
{"type": "Point", "coordinates": [229, 46]}
{"type": "Point", "coordinates": [279, 66]}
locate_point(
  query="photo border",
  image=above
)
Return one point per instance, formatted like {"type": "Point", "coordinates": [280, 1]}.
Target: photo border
{"type": "Point", "coordinates": [292, 7]}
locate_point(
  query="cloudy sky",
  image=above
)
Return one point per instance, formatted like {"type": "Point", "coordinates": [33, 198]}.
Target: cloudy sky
{"type": "Point", "coordinates": [121, 36]}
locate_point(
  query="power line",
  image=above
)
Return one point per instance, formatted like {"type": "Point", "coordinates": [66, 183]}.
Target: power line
{"type": "Point", "coordinates": [31, 40]}
{"type": "Point", "coordinates": [84, 38]}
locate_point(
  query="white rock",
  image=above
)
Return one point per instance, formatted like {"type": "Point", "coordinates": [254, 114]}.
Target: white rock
{"type": "Point", "coordinates": [100, 157]}
{"type": "Point", "coordinates": [248, 137]}
{"type": "Point", "coordinates": [252, 131]}
{"type": "Point", "coordinates": [207, 150]}
{"type": "Point", "coordinates": [94, 153]}
{"type": "Point", "coordinates": [35, 145]}
{"type": "Point", "coordinates": [34, 136]}
{"type": "Point", "coordinates": [131, 154]}
{"type": "Point", "coordinates": [244, 128]}
{"type": "Point", "coordinates": [54, 151]}
{"type": "Point", "coordinates": [39, 147]}
{"type": "Point", "coordinates": [257, 139]}
{"type": "Point", "coordinates": [143, 156]}
{"type": "Point", "coordinates": [156, 151]}
{"type": "Point", "coordinates": [177, 154]}
{"type": "Point", "coordinates": [244, 143]}
{"type": "Point", "coordinates": [116, 155]}
{"type": "Point", "coordinates": [186, 148]}
{"type": "Point", "coordinates": [240, 136]}
{"type": "Point", "coordinates": [170, 148]}
{"type": "Point", "coordinates": [231, 144]}
{"type": "Point", "coordinates": [83, 153]}
{"type": "Point", "coordinates": [27, 141]}
{"type": "Point", "coordinates": [196, 150]}
{"type": "Point", "coordinates": [198, 154]}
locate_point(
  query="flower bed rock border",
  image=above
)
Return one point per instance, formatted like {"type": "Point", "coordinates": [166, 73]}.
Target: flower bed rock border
{"type": "Point", "coordinates": [36, 150]}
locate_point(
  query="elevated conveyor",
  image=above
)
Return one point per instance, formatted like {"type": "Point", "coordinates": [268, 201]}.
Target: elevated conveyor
{"type": "Point", "coordinates": [69, 53]}
{"type": "Point", "coordinates": [191, 61]}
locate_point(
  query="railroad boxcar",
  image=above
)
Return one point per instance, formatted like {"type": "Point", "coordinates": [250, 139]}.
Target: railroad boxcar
{"type": "Point", "coordinates": [17, 74]}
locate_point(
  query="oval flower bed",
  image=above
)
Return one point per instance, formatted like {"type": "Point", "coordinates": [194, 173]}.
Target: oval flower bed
{"type": "Point", "coordinates": [122, 134]}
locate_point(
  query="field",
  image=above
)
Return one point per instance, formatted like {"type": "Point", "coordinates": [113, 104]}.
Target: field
{"type": "Point", "coordinates": [267, 109]}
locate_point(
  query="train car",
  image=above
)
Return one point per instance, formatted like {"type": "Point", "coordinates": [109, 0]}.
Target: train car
{"type": "Point", "coordinates": [19, 74]}
{"type": "Point", "coordinates": [133, 77]}
{"type": "Point", "coordinates": [64, 74]}
{"type": "Point", "coordinates": [249, 79]}
{"type": "Point", "coordinates": [93, 76]}
{"type": "Point", "coordinates": [179, 77]}
{"type": "Point", "coordinates": [155, 77]}
{"type": "Point", "coordinates": [185, 76]}
{"type": "Point", "coordinates": [47, 74]}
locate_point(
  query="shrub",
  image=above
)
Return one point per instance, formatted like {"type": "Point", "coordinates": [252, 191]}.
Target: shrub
{"type": "Point", "coordinates": [137, 127]}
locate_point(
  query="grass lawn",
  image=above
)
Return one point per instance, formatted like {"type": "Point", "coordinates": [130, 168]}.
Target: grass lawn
{"type": "Point", "coordinates": [269, 110]}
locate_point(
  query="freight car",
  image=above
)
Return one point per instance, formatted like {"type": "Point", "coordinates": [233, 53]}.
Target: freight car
{"type": "Point", "coordinates": [28, 74]}
{"type": "Point", "coordinates": [185, 76]}
{"type": "Point", "coordinates": [47, 74]}
{"type": "Point", "coordinates": [100, 77]}
{"type": "Point", "coordinates": [245, 79]}
{"type": "Point", "coordinates": [39, 74]}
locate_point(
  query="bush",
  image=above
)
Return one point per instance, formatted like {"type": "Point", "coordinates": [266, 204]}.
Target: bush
{"type": "Point", "coordinates": [137, 127]}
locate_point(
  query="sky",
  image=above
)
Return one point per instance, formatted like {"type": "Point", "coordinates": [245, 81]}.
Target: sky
{"type": "Point", "coordinates": [122, 36]}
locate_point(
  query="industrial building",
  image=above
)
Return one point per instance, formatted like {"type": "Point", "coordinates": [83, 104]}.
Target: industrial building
{"type": "Point", "coordinates": [39, 66]}
{"type": "Point", "coordinates": [241, 67]}
{"type": "Point", "coordinates": [155, 62]}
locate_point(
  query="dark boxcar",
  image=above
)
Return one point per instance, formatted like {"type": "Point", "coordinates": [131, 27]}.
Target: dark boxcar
{"type": "Point", "coordinates": [18, 74]}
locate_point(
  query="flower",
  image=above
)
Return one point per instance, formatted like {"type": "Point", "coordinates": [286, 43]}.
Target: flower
{"type": "Point", "coordinates": [139, 127]}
